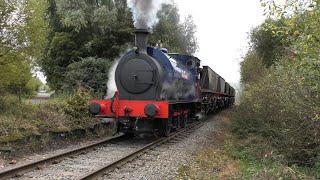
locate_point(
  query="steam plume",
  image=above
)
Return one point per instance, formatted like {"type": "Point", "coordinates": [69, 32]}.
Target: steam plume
{"type": "Point", "coordinates": [112, 87]}
{"type": "Point", "coordinates": [111, 84]}
{"type": "Point", "coordinates": [144, 12]}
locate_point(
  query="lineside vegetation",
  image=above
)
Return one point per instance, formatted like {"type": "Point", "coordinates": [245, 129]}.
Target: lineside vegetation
{"type": "Point", "coordinates": [280, 76]}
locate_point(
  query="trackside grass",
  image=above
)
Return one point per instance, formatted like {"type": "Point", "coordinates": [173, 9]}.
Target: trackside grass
{"type": "Point", "coordinates": [230, 157]}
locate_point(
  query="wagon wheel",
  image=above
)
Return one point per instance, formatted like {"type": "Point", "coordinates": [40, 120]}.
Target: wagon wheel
{"type": "Point", "coordinates": [166, 129]}
{"type": "Point", "coordinates": [184, 121]}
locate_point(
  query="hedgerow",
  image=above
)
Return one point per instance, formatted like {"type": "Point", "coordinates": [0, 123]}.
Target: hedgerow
{"type": "Point", "coordinates": [281, 102]}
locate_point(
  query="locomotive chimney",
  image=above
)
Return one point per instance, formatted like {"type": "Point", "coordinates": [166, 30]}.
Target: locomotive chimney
{"type": "Point", "coordinates": [141, 40]}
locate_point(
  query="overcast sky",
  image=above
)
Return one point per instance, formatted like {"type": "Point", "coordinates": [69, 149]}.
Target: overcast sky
{"type": "Point", "coordinates": [222, 31]}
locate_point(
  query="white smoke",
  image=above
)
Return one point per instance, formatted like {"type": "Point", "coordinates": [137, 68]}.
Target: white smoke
{"type": "Point", "coordinates": [145, 12]}
{"type": "Point", "coordinates": [111, 84]}
{"type": "Point", "coordinates": [201, 115]}
{"type": "Point", "coordinates": [112, 87]}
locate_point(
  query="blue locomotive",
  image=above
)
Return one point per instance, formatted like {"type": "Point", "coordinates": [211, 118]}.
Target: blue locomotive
{"type": "Point", "coordinates": [159, 91]}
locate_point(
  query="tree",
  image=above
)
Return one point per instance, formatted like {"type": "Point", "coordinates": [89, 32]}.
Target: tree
{"type": "Point", "coordinates": [189, 38]}
{"type": "Point", "coordinates": [172, 34]}
{"type": "Point", "coordinates": [36, 28]}
{"type": "Point", "coordinates": [252, 68]}
{"type": "Point", "coordinates": [63, 50]}
{"type": "Point", "coordinates": [81, 29]}
{"type": "Point", "coordinates": [22, 27]}
{"type": "Point", "coordinates": [9, 28]}
{"type": "Point", "coordinates": [81, 15]}
{"type": "Point", "coordinates": [266, 44]}
{"type": "Point", "coordinates": [14, 76]}
{"type": "Point", "coordinates": [15, 45]}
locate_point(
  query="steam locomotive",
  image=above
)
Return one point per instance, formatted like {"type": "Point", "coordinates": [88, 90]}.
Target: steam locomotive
{"type": "Point", "coordinates": [159, 92]}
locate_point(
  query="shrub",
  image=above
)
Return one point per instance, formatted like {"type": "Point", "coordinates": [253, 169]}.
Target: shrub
{"type": "Point", "coordinates": [252, 68]}
{"type": "Point", "coordinates": [283, 108]}
{"type": "Point", "coordinates": [77, 107]}
{"type": "Point", "coordinates": [91, 73]}
{"type": "Point", "coordinates": [8, 103]}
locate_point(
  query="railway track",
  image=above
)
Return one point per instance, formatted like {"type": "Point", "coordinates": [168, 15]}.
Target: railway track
{"type": "Point", "coordinates": [21, 169]}
{"type": "Point", "coordinates": [135, 155]}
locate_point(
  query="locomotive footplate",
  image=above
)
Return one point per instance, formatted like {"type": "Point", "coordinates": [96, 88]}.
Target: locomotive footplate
{"type": "Point", "coordinates": [124, 109]}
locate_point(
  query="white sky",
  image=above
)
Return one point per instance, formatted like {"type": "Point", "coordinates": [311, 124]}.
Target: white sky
{"type": "Point", "coordinates": [222, 31]}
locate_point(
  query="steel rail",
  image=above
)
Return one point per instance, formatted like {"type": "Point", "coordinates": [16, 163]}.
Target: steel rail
{"type": "Point", "coordinates": [111, 167]}
{"type": "Point", "coordinates": [22, 169]}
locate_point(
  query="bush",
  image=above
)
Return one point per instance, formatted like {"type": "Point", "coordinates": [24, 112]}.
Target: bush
{"type": "Point", "coordinates": [68, 111]}
{"type": "Point", "coordinates": [62, 114]}
{"type": "Point", "coordinates": [283, 105]}
{"type": "Point", "coordinates": [77, 104]}
{"type": "Point", "coordinates": [283, 108]}
{"type": "Point", "coordinates": [8, 103]}
{"type": "Point", "coordinates": [90, 73]}
{"type": "Point", "coordinates": [252, 68]}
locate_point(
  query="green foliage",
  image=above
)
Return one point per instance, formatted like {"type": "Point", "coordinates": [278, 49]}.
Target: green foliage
{"type": "Point", "coordinates": [284, 110]}
{"type": "Point", "coordinates": [260, 160]}
{"type": "Point", "coordinates": [91, 73]}
{"type": "Point", "coordinates": [63, 51]}
{"type": "Point", "coordinates": [34, 85]}
{"type": "Point", "coordinates": [268, 46]}
{"type": "Point", "coordinates": [9, 27]}
{"type": "Point", "coordinates": [62, 114]}
{"type": "Point", "coordinates": [81, 15]}
{"type": "Point", "coordinates": [22, 35]}
{"type": "Point", "coordinates": [82, 29]}
{"type": "Point", "coordinates": [252, 68]}
{"type": "Point", "coordinates": [15, 76]}
{"type": "Point", "coordinates": [22, 27]}
{"type": "Point", "coordinates": [77, 105]}
{"type": "Point", "coordinates": [189, 39]}
{"type": "Point", "coordinates": [8, 103]}
{"type": "Point", "coordinates": [36, 28]}
{"type": "Point", "coordinates": [282, 105]}
{"type": "Point", "coordinates": [103, 29]}
{"type": "Point", "coordinates": [170, 33]}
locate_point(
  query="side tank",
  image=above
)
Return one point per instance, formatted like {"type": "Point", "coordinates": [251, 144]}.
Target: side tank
{"type": "Point", "coordinates": [183, 85]}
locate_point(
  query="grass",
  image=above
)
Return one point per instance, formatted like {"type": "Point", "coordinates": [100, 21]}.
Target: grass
{"type": "Point", "coordinates": [211, 164]}
{"type": "Point", "coordinates": [231, 157]}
